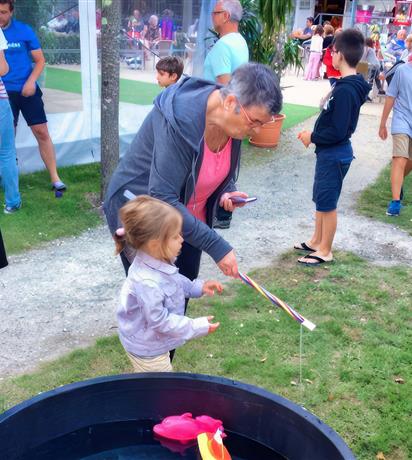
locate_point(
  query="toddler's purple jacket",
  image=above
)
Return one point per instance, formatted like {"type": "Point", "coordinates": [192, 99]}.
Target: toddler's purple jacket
{"type": "Point", "coordinates": [151, 311]}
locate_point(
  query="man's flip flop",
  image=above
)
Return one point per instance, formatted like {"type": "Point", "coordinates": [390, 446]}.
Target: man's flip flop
{"type": "Point", "coordinates": [319, 260]}
{"type": "Point", "coordinates": [303, 247]}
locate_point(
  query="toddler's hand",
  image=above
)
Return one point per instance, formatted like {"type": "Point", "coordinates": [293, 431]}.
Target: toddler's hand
{"type": "Point", "coordinates": [209, 287]}
{"type": "Point", "coordinates": [212, 326]}
{"type": "Point", "coordinates": [305, 137]}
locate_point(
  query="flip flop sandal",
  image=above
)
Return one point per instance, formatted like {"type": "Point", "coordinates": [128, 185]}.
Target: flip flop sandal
{"type": "Point", "coordinates": [303, 247]}
{"type": "Point", "coordinates": [319, 260]}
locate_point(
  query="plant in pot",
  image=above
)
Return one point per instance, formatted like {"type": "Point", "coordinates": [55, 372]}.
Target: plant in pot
{"type": "Point", "coordinates": [264, 28]}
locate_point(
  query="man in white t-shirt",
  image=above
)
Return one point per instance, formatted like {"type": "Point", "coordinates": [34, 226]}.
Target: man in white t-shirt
{"type": "Point", "coordinates": [231, 50]}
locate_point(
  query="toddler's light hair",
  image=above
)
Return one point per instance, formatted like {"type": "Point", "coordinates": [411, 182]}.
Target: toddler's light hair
{"type": "Point", "coordinates": [146, 218]}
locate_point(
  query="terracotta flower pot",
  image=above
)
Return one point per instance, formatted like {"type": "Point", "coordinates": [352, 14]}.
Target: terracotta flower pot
{"type": "Point", "coordinates": [269, 133]}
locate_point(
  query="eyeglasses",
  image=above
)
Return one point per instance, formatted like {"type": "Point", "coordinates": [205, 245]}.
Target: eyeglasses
{"type": "Point", "coordinates": [218, 12]}
{"type": "Point", "coordinates": [254, 123]}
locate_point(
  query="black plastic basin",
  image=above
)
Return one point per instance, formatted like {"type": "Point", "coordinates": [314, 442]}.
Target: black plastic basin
{"type": "Point", "coordinates": [245, 410]}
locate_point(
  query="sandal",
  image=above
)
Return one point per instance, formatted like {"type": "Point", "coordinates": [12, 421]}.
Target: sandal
{"type": "Point", "coordinates": [303, 247]}
{"type": "Point", "coordinates": [319, 260]}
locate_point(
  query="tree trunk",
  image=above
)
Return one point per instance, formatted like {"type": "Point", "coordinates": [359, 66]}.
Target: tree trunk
{"type": "Point", "coordinates": [110, 58]}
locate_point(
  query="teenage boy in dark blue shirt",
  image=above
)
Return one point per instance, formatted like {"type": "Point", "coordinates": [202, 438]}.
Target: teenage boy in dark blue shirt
{"type": "Point", "coordinates": [331, 136]}
{"type": "Point", "coordinates": [24, 94]}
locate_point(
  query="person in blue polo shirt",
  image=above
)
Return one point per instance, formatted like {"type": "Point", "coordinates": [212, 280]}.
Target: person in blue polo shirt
{"type": "Point", "coordinates": [25, 96]}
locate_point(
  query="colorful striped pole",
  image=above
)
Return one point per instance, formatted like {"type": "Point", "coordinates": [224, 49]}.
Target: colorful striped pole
{"type": "Point", "coordinates": [278, 302]}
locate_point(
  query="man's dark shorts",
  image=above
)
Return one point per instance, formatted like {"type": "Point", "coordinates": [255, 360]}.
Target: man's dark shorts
{"type": "Point", "coordinates": [32, 107]}
{"type": "Point", "coordinates": [332, 164]}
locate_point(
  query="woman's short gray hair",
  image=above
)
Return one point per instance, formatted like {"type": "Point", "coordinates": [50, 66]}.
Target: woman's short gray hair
{"type": "Point", "coordinates": [234, 8]}
{"type": "Point", "coordinates": [255, 84]}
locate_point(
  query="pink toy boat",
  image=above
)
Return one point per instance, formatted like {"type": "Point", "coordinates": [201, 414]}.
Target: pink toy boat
{"type": "Point", "coordinates": [185, 428]}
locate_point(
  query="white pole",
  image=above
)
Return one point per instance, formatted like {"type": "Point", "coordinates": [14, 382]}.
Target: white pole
{"type": "Point", "coordinates": [89, 71]}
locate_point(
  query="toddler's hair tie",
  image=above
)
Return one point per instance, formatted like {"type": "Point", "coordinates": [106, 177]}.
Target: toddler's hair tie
{"type": "Point", "coordinates": [120, 232]}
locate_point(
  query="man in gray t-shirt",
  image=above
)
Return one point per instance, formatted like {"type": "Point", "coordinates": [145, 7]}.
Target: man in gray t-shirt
{"type": "Point", "coordinates": [399, 97]}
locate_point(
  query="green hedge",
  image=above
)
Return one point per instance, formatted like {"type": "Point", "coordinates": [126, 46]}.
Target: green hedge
{"type": "Point", "coordinates": [60, 49]}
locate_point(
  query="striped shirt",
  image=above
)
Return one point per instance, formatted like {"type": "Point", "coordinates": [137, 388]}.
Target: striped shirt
{"type": "Point", "coordinates": [3, 93]}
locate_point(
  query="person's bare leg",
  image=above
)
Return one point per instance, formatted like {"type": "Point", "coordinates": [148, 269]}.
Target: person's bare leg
{"type": "Point", "coordinates": [329, 222]}
{"type": "Point", "coordinates": [46, 147]}
{"type": "Point", "coordinates": [316, 238]}
{"type": "Point", "coordinates": [408, 168]}
{"type": "Point", "coordinates": [398, 170]}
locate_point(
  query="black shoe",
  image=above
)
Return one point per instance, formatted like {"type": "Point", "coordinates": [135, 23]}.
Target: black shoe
{"type": "Point", "coordinates": [222, 224]}
{"type": "Point", "coordinates": [381, 92]}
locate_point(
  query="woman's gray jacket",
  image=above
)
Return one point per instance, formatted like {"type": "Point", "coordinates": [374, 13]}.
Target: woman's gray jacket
{"type": "Point", "coordinates": [164, 161]}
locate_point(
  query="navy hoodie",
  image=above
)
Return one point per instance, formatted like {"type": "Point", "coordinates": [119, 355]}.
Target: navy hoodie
{"type": "Point", "coordinates": [164, 161]}
{"type": "Point", "coordinates": [339, 117]}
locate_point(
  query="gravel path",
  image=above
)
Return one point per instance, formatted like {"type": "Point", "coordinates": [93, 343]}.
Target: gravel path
{"type": "Point", "coordinates": [63, 295]}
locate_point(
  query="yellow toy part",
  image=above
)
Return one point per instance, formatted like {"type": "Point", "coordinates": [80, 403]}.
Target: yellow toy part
{"type": "Point", "coordinates": [211, 446]}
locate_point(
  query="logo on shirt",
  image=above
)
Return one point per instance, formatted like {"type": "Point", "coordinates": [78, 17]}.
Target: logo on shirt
{"type": "Point", "coordinates": [326, 105]}
{"type": "Point", "coordinates": [14, 45]}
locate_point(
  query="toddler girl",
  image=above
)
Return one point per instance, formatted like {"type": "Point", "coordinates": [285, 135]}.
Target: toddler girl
{"type": "Point", "coordinates": [152, 301]}
{"type": "Point", "coordinates": [316, 47]}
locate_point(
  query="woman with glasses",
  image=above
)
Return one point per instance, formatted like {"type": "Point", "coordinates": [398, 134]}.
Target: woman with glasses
{"type": "Point", "coordinates": [187, 153]}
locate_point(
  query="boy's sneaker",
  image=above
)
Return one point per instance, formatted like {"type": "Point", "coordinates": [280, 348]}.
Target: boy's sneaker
{"type": "Point", "coordinates": [11, 209]}
{"type": "Point", "coordinates": [59, 186]}
{"type": "Point", "coordinates": [394, 208]}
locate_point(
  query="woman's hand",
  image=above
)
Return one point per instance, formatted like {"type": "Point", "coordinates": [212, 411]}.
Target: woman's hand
{"type": "Point", "coordinates": [226, 203]}
{"type": "Point", "coordinates": [209, 287]}
{"type": "Point", "coordinates": [212, 326]}
{"type": "Point", "coordinates": [228, 265]}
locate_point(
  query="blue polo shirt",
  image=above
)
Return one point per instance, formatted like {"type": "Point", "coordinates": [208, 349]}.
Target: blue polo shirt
{"type": "Point", "coordinates": [227, 54]}
{"type": "Point", "coordinates": [401, 89]}
{"type": "Point", "coordinates": [22, 41]}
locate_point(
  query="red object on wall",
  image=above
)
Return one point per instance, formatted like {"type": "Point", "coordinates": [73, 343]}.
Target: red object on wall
{"type": "Point", "coordinates": [403, 13]}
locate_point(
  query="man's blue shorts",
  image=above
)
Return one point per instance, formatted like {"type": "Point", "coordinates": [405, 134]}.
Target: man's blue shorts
{"type": "Point", "coordinates": [332, 164]}
{"type": "Point", "coordinates": [32, 107]}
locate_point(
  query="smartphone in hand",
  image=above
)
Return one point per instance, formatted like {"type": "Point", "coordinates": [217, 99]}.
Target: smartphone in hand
{"type": "Point", "coordinates": [239, 199]}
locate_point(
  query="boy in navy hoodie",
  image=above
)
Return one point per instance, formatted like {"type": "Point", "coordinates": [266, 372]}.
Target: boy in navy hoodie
{"type": "Point", "coordinates": [331, 136]}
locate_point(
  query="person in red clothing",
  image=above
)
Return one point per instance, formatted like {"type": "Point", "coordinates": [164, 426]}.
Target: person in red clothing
{"type": "Point", "coordinates": [332, 73]}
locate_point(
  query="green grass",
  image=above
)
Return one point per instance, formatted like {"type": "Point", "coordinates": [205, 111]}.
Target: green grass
{"type": "Point", "coordinates": [349, 363]}
{"type": "Point", "coordinates": [295, 114]}
{"type": "Point", "coordinates": [43, 217]}
{"type": "Point", "coordinates": [69, 81]}
{"type": "Point", "coordinates": [374, 200]}
{"type": "Point", "coordinates": [134, 92]}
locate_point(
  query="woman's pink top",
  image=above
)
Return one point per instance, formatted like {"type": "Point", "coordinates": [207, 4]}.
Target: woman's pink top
{"type": "Point", "coordinates": [213, 171]}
